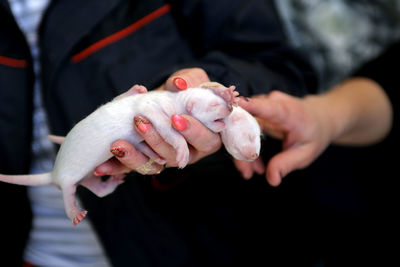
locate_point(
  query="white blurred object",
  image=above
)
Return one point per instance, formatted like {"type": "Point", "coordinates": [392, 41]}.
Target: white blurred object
{"type": "Point", "coordinates": [339, 35]}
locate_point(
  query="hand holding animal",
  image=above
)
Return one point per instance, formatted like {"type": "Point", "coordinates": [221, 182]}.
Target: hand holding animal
{"type": "Point", "coordinates": [211, 103]}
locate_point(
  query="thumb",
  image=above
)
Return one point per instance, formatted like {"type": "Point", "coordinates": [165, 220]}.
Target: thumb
{"type": "Point", "coordinates": [296, 157]}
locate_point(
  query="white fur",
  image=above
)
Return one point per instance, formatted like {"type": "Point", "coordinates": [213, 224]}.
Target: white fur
{"type": "Point", "coordinates": [241, 135]}
{"type": "Point", "coordinates": [87, 145]}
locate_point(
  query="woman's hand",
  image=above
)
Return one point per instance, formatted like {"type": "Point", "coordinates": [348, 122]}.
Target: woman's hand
{"type": "Point", "coordinates": [302, 126]}
{"type": "Point", "coordinates": [201, 140]}
{"type": "Point", "coordinates": [357, 112]}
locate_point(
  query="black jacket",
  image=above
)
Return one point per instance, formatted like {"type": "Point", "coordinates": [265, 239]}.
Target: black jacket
{"type": "Point", "coordinates": [93, 50]}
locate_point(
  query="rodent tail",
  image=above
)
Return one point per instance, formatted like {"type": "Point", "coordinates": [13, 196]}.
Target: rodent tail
{"type": "Point", "coordinates": [29, 179]}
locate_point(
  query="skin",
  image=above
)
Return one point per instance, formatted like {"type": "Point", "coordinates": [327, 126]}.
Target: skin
{"type": "Point", "coordinates": [212, 104]}
{"type": "Point", "coordinates": [202, 141]}
{"type": "Point", "coordinates": [357, 112]}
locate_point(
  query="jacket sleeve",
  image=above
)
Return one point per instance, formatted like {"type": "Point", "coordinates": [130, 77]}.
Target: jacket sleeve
{"type": "Point", "coordinates": [243, 43]}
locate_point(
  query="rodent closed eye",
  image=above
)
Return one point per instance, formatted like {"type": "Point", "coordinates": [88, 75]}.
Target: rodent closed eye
{"type": "Point", "coordinates": [213, 105]}
{"type": "Point", "coordinates": [250, 137]}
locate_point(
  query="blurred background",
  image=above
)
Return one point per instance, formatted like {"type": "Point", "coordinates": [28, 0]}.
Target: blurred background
{"type": "Point", "coordinates": [339, 35]}
{"type": "Point", "coordinates": [343, 204]}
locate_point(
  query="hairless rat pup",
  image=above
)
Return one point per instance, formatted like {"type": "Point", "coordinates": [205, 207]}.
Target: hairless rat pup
{"type": "Point", "coordinates": [212, 104]}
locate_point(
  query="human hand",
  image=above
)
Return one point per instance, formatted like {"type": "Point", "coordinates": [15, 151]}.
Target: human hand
{"type": "Point", "coordinates": [185, 78]}
{"type": "Point", "coordinates": [201, 140]}
{"type": "Point", "coordinates": [301, 123]}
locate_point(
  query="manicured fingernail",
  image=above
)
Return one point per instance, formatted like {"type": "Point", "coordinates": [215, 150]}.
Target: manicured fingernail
{"type": "Point", "coordinates": [142, 124]}
{"type": "Point", "coordinates": [180, 83]}
{"type": "Point", "coordinates": [179, 122]}
{"type": "Point", "coordinates": [119, 152]}
{"type": "Point", "coordinates": [98, 174]}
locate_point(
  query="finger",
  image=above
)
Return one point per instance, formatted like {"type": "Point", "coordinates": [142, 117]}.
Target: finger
{"type": "Point", "coordinates": [294, 158]}
{"type": "Point", "coordinates": [272, 107]}
{"type": "Point", "coordinates": [258, 166]}
{"type": "Point", "coordinates": [133, 159]}
{"type": "Point", "coordinates": [274, 130]}
{"type": "Point", "coordinates": [145, 149]}
{"type": "Point", "coordinates": [245, 168]}
{"type": "Point", "coordinates": [111, 167]}
{"type": "Point", "coordinates": [186, 78]}
{"type": "Point", "coordinates": [154, 140]}
{"type": "Point", "coordinates": [202, 139]}
{"type": "Point", "coordinates": [130, 159]}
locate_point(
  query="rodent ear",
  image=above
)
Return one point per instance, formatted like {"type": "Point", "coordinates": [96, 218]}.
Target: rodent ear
{"type": "Point", "coordinates": [227, 93]}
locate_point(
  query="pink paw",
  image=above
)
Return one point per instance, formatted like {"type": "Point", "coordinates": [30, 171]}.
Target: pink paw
{"type": "Point", "coordinates": [137, 89]}
{"type": "Point", "coordinates": [79, 217]}
{"type": "Point", "coordinates": [227, 93]}
{"type": "Point", "coordinates": [134, 90]}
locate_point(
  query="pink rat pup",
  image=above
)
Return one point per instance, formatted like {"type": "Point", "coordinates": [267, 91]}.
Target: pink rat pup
{"type": "Point", "coordinates": [211, 103]}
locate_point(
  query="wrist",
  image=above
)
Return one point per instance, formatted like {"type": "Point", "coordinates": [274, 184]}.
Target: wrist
{"type": "Point", "coordinates": [325, 113]}
{"type": "Point", "coordinates": [357, 112]}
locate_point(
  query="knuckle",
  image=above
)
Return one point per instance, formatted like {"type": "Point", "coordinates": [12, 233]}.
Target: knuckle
{"type": "Point", "coordinates": [198, 75]}
{"type": "Point", "coordinates": [203, 74]}
{"type": "Point", "coordinates": [198, 71]}
{"type": "Point", "coordinates": [154, 141]}
{"type": "Point", "coordinates": [275, 94]}
{"type": "Point", "coordinates": [129, 163]}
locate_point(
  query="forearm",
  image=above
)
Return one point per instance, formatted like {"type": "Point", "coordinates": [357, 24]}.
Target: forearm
{"type": "Point", "coordinates": [358, 112]}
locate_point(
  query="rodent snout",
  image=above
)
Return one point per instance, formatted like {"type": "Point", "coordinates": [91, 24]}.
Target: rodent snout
{"type": "Point", "coordinates": [248, 153]}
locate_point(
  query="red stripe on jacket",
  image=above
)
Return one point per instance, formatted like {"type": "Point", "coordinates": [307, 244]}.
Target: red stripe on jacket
{"type": "Point", "coordinates": [12, 62]}
{"type": "Point", "coordinates": [121, 34]}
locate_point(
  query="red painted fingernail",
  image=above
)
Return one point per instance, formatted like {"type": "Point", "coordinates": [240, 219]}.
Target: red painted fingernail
{"type": "Point", "coordinates": [180, 83]}
{"type": "Point", "coordinates": [119, 152]}
{"type": "Point", "coordinates": [179, 122]}
{"type": "Point", "coordinates": [142, 124]}
{"type": "Point", "coordinates": [97, 173]}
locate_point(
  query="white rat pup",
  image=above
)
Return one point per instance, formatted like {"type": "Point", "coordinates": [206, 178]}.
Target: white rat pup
{"type": "Point", "coordinates": [241, 136]}
{"type": "Point", "coordinates": [211, 103]}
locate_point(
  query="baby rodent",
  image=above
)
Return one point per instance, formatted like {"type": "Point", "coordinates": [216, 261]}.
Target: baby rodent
{"type": "Point", "coordinates": [211, 103]}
